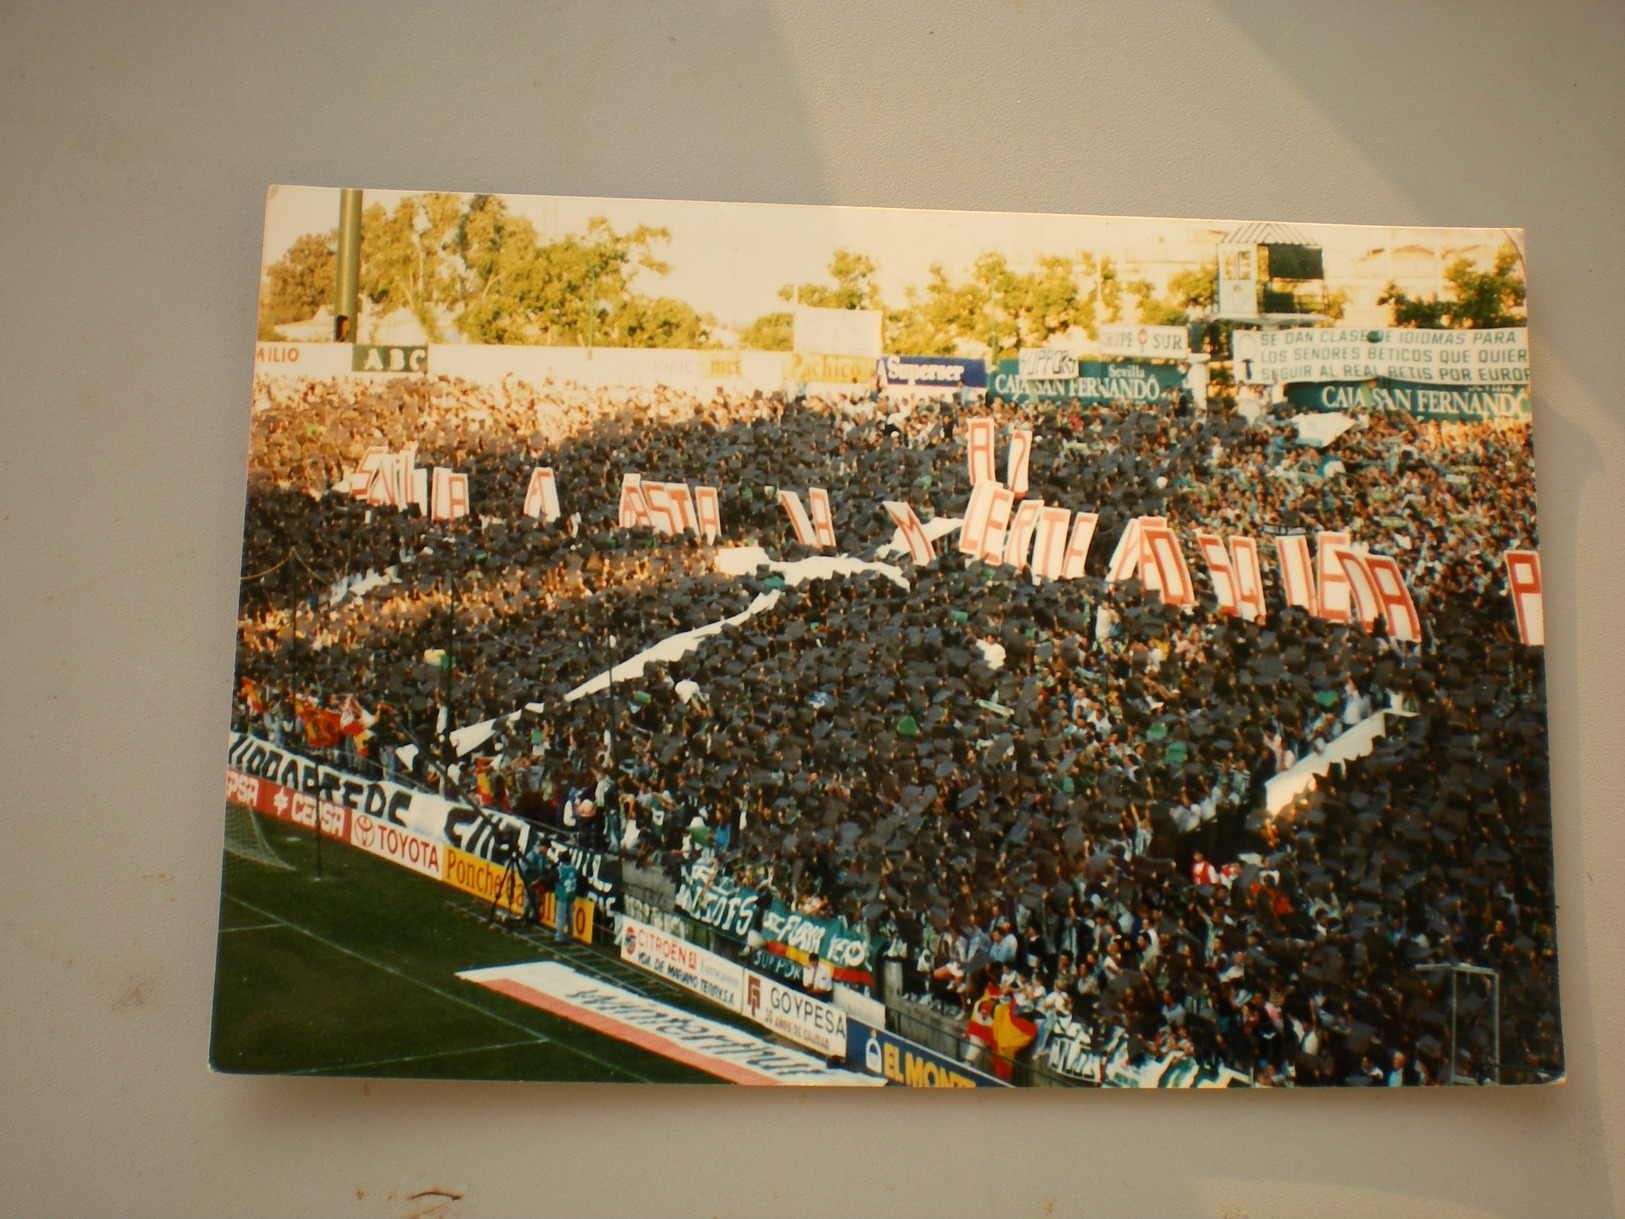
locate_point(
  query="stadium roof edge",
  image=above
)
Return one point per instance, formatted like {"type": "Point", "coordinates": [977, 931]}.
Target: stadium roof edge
{"type": "Point", "coordinates": [1267, 232]}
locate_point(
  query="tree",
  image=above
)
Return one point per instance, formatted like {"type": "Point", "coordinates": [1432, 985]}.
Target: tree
{"type": "Point", "coordinates": [770, 332]}
{"type": "Point", "coordinates": [406, 259]}
{"type": "Point", "coordinates": [1108, 289]}
{"type": "Point", "coordinates": [936, 316]}
{"type": "Point", "coordinates": [1479, 300]}
{"type": "Point", "coordinates": [655, 321]}
{"type": "Point", "coordinates": [1196, 287]}
{"type": "Point", "coordinates": [514, 289]}
{"type": "Point", "coordinates": [494, 250]}
{"type": "Point", "coordinates": [439, 254]}
{"type": "Point", "coordinates": [1002, 309]}
{"type": "Point", "coordinates": [854, 286]}
{"type": "Point", "coordinates": [299, 283]}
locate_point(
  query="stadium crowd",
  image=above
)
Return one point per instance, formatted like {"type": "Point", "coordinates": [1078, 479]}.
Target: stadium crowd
{"type": "Point", "coordinates": [1055, 789]}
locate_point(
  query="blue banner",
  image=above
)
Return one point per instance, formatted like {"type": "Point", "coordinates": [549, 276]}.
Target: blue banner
{"type": "Point", "coordinates": [902, 1062]}
{"type": "Point", "coordinates": [932, 372]}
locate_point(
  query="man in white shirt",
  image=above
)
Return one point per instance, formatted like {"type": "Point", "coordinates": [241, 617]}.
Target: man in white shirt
{"type": "Point", "coordinates": [816, 977]}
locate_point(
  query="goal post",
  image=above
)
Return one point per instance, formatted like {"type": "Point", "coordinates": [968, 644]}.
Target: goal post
{"type": "Point", "coordinates": [247, 840]}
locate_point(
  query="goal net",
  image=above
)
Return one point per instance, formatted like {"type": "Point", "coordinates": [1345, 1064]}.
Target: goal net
{"type": "Point", "coordinates": [246, 839]}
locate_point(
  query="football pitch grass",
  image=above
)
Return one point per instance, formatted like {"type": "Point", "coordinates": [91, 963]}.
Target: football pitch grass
{"type": "Point", "coordinates": [355, 974]}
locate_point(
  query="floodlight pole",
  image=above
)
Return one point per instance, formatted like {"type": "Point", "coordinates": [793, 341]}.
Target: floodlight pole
{"type": "Point", "coordinates": [449, 658]}
{"type": "Point", "coordinates": [1456, 969]}
{"type": "Point", "coordinates": [347, 269]}
{"type": "Point", "coordinates": [293, 656]}
{"type": "Point", "coordinates": [1454, 1048]}
{"type": "Point", "coordinates": [592, 307]}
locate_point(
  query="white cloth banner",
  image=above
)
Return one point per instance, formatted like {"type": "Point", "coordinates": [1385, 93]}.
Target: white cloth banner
{"type": "Point", "coordinates": [979, 451]}
{"type": "Point", "coordinates": [1018, 458]}
{"type": "Point", "coordinates": [1321, 429]}
{"type": "Point", "coordinates": [823, 518]}
{"type": "Point", "coordinates": [1527, 590]}
{"type": "Point", "coordinates": [1049, 542]}
{"type": "Point", "coordinates": [1119, 339]}
{"type": "Point", "coordinates": [936, 528]}
{"type": "Point", "coordinates": [919, 546]}
{"type": "Point", "coordinates": [671, 648]}
{"type": "Point", "coordinates": [708, 1045]}
{"type": "Point", "coordinates": [1429, 357]}
{"type": "Point", "coordinates": [1300, 777]}
{"type": "Point", "coordinates": [742, 560]}
{"type": "Point", "coordinates": [799, 520]}
{"type": "Point", "coordinates": [836, 332]}
{"type": "Point", "coordinates": [1020, 539]}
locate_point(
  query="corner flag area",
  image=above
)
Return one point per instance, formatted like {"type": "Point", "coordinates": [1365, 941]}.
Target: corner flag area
{"type": "Point", "coordinates": [356, 974]}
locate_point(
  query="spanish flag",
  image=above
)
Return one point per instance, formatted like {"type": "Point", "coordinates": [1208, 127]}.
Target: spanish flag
{"type": "Point", "coordinates": [322, 729]}
{"type": "Point", "coordinates": [252, 697]}
{"type": "Point", "coordinates": [841, 973]}
{"type": "Point", "coordinates": [994, 1024]}
{"type": "Point", "coordinates": [354, 719]}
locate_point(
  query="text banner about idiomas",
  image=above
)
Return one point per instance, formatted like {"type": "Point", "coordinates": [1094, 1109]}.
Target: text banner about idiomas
{"type": "Point", "coordinates": [1350, 353]}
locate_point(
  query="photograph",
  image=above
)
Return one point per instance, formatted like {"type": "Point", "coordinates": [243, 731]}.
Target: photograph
{"type": "Point", "coordinates": [700, 642]}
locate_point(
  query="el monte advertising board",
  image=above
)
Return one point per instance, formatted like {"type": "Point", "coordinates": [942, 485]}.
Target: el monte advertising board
{"type": "Point", "coordinates": [902, 1062]}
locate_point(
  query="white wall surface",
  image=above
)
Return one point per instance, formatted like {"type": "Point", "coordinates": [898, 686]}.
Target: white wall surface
{"type": "Point", "coordinates": [136, 143]}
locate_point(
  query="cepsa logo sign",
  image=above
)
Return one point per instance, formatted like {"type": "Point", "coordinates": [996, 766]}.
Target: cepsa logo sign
{"type": "Point", "coordinates": [395, 844]}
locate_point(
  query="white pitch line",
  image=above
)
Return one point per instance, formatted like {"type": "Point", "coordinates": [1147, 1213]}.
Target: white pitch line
{"type": "Point", "coordinates": [444, 994]}
{"type": "Point", "coordinates": [385, 1062]}
{"type": "Point", "coordinates": [253, 927]}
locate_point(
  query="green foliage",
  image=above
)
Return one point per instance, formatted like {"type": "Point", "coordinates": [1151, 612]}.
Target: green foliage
{"type": "Point", "coordinates": [497, 253]}
{"type": "Point", "coordinates": [654, 321]}
{"type": "Point", "coordinates": [574, 291]}
{"type": "Point", "coordinates": [299, 283]}
{"type": "Point", "coordinates": [936, 316]}
{"type": "Point", "coordinates": [442, 256]}
{"type": "Point", "coordinates": [1479, 300]}
{"type": "Point", "coordinates": [1197, 287]}
{"type": "Point", "coordinates": [1003, 309]}
{"type": "Point", "coordinates": [770, 332]}
{"type": "Point", "coordinates": [1413, 311]}
{"type": "Point", "coordinates": [1108, 289]}
{"type": "Point", "coordinates": [406, 260]}
{"type": "Point", "coordinates": [854, 285]}
{"type": "Point", "coordinates": [1151, 310]}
